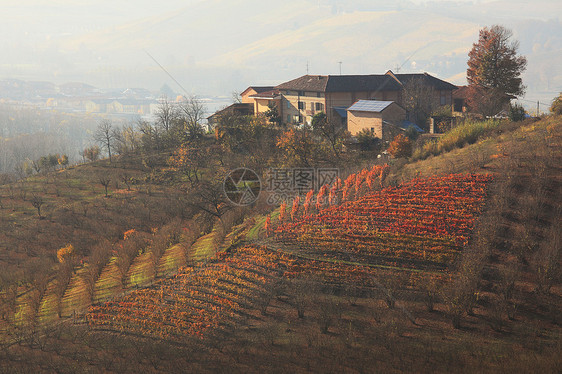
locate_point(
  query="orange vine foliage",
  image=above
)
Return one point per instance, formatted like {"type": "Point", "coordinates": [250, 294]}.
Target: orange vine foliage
{"type": "Point", "coordinates": [282, 211]}
{"type": "Point", "coordinates": [295, 208]}
{"type": "Point", "coordinates": [129, 233]}
{"type": "Point", "coordinates": [65, 253]}
{"type": "Point", "coordinates": [401, 146]}
{"type": "Point", "coordinates": [308, 201]}
{"type": "Point", "coordinates": [268, 226]}
{"type": "Point", "coordinates": [321, 197]}
{"type": "Point", "coordinates": [424, 223]}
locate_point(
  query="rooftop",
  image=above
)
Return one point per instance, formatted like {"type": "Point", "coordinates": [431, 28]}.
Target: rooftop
{"type": "Point", "coordinates": [365, 83]}
{"type": "Point", "coordinates": [375, 106]}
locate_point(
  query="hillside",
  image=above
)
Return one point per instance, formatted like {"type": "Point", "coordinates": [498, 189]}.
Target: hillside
{"type": "Point", "coordinates": [50, 210]}
{"type": "Point", "coordinates": [451, 263]}
{"type": "Point", "coordinates": [230, 45]}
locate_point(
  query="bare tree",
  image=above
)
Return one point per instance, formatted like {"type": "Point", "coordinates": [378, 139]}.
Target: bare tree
{"type": "Point", "coordinates": [150, 135]}
{"type": "Point", "coordinates": [127, 139]}
{"type": "Point", "coordinates": [301, 292]}
{"type": "Point", "coordinates": [126, 178]}
{"type": "Point", "coordinates": [209, 197]}
{"type": "Point", "coordinates": [236, 98]}
{"type": "Point", "coordinates": [104, 181]}
{"type": "Point", "coordinates": [418, 98]}
{"type": "Point", "coordinates": [166, 114]}
{"type": "Point", "coordinates": [106, 136]}
{"type": "Point", "coordinates": [37, 202]}
{"type": "Point", "coordinates": [331, 131]}
{"type": "Point", "coordinates": [193, 113]}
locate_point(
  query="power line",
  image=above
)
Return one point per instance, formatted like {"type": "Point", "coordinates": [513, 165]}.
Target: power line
{"type": "Point", "coordinates": [532, 101]}
{"type": "Point", "coordinates": [408, 59]}
{"type": "Point", "coordinates": [166, 71]}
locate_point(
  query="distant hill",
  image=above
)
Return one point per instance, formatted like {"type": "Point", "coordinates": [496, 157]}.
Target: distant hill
{"type": "Point", "coordinates": [214, 47]}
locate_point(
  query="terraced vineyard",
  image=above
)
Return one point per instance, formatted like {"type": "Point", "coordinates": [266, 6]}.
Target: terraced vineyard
{"type": "Point", "coordinates": [197, 301]}
{"type": "Point", "coordinates": [421, 224]}
{"type": "Point", "coordinates": [203, 301]}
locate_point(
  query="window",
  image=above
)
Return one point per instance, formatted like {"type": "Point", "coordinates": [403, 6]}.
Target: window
{"type": "Point", "coordinates": [288, 105]}
{"type": "Point", "coordinates": [301, 93]}
{"type": "Point", "coordinates": [443, 100]}
{"type": "Point", "coordinates": [320, 107]}
{"type": "Point", "coordinates": [458, 105]}
{"type": "Point", "coordinates": [318, 94]}
{"type": "Point", "coordinates": [288, 118]}
{"type": "Point", "coordinates": [302, 105]}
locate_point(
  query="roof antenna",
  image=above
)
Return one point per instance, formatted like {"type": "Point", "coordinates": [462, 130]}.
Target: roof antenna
{"type": "Point", "coordinates": [307, 68]}
{"type": "Point", "coordinates": [340, 66]}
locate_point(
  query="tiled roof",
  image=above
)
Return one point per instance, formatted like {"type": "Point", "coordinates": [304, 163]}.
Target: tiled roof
{"type": "Point", "coordinates": [341, 83]}
{"type": "Point", "coordinates": [258, 89]}
{"type": "Point", "coordinates": [461, 92]}
{"type": "Point", "coordinates": [375, 106]}
{"type": "Point", "coordinates": [364, 83]}
{"type": "Point", "coordinates": [314, 83]}
{"type": "Point", "coordinates": [266, 94]}
{"type": "Point", "coordinates": [436, 83]}
{"type": "Point", "coordinates": [350, 83]}
{"type": "Point", "coordinates": [242, 109]}
{"type": "Point", "coordinates": [341, 111]}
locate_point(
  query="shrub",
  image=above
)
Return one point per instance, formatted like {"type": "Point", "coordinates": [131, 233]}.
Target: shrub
{"type": "Point", "coordinates": [412, 133]}
{"type": "Point", "coordinates": [400, 147]}
{"type": "Point", "coordinates": [467, 133]}
{"type": "Point", "coordinates": [556, 107]}
{"type": "Point", "coordinates": [367, 140]}
{"type": "Point", "coordinates": [65, 254]}
{"type": "Point", "coordinates": [442, 111]}
{"type": "Point", "coordinates": [516, 112]}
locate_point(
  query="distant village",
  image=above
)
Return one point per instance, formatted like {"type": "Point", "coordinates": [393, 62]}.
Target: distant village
{"type": "Point", "coordinates": [81, 97]}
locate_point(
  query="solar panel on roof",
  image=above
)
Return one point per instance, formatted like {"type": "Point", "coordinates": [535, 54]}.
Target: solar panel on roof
{"type": "Point", "coordinates": [370, 105]}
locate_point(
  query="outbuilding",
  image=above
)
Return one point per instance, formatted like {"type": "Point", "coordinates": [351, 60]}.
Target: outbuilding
{"type": "Point", "coordinates": [374, 115]}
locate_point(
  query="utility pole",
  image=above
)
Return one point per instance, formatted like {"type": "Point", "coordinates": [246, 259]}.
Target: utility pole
{"type": "Point", "coordinates": [340, 66]}
{"type": "Point", "coordinates": [537, 108]}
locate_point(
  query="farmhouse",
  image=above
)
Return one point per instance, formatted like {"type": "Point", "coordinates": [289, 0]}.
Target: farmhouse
{"type": "Point", "coordinates": [305, 96]}
{"type": "Point", "coordinates": [376, 116]}
{"type": "Point", "coordinates": [298, 100]}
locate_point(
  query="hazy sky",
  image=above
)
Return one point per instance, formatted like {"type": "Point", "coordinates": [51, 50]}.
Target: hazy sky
{"type": "Point", "coordinates": [213, 47]}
